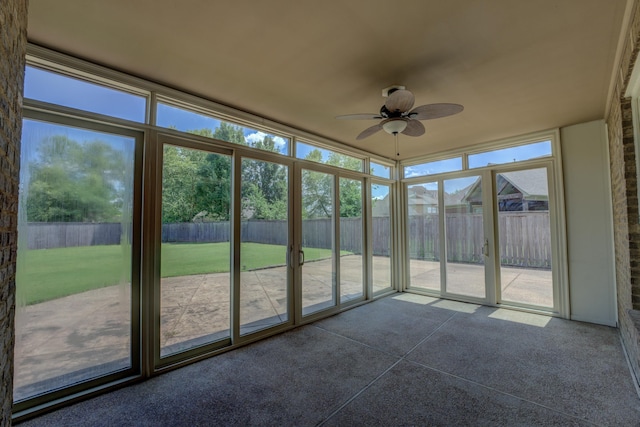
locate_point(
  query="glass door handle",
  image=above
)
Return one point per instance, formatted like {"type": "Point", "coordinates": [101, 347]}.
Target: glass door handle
{"type": "Point", "coordinates": [485, 247]}
{"type": "Point", "coordinates": [290, 256]}
{"type": "Point", "coordinates": [301, 259]}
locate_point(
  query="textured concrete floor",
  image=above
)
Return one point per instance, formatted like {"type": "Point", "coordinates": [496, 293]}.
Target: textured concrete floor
{"type": "Point", "coordinates": [402, 360]}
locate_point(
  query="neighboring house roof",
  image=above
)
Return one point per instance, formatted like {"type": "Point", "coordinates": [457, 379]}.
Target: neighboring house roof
{"type": "Point", "coordinates": [459, 197]}
{"type": "Point", "coordinates": [530, 182]}
{"type": "Point", "coordinates": [419, 195]}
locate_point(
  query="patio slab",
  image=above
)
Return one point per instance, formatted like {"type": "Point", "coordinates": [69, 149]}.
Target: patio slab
{"type": "Point", "coordinates": [88, 333]}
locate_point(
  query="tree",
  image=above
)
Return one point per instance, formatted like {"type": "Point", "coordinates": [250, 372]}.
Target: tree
{"type": "Point", "coordinates": [264, 186]}
{"type": "Point", "coordinates": [197, 184]}
{"type": "Point", "coordinates": [180, 179]}
{"type": "Point", "coordinates": [317, 188]}
{"type": "Point", "coordinates": [76, 182]}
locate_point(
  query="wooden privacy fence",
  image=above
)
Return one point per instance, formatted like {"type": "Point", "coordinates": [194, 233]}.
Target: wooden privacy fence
{"type": "Point", "coordinates": [49, 235]}
{"type": "Point", "coordinates": [524, 236]}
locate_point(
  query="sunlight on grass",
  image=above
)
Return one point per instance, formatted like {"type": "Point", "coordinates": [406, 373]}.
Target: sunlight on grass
{"type": "Point", "coordinates": [53, 273]}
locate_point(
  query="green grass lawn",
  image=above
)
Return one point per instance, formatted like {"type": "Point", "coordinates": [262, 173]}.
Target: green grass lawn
{"type": "Point", "coordinates": [46, 274]}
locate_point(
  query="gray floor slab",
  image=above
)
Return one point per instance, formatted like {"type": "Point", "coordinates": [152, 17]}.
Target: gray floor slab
{"type": "Point", "coordinates": [390, 325]}
{"type": "Point", "coordinates": [575, 368]}
{"type": "Point", "coordinates": [402, 360]}
{"type": "Point", "coordinates": [412, 395]}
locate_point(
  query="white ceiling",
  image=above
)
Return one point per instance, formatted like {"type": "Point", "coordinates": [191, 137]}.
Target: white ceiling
{"type": "Point", "coordinates": [516, 65]}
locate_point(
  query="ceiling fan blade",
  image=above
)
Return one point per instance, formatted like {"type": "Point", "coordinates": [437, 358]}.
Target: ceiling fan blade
{"type": "Point", "coordinates": [400, 101]}
{"type": "Point", "coordinates": [364, 116]}
{"type": "Point", "coordinates": [434, 111]}
{"type": "Point", "coordinates": [414, 128]}
{"type": "Point", "coordinates": [369, 131]}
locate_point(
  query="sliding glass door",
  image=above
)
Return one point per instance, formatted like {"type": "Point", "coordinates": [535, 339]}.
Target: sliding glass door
{"type": "Point", "coordinates": [195, 248]}
{"type": "Point", "coordinates": [264, 247]}
{"type": "Point", "coordinates": [381, 237]}
{"type": "Point", "coordinates": [351, 239]}
{"type": "Point", "coordinates": [465, 236]}
{"type": "Point", "coordinates": [423, 235]}
{"type": "Point", "coordinates": [524, 230]}
{"type": "Point", "coordinates": [317, 259]}
{"type": "Point", "coordinates": [330, 244]}
{"type": "Point", "coordinates": [454, 221]}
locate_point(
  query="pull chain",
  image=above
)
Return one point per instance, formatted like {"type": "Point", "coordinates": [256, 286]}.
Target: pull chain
{"type": "Point", "coordinates": [396, 136]}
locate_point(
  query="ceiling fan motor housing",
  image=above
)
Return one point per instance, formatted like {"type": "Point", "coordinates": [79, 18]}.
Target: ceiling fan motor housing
{"type": "Point", "coordinates": [389, 90]}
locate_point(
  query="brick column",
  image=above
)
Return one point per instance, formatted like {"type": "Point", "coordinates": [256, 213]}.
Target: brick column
{"type": "Point", "coordinates": [624, 188]}
{"type": "Point", "coordinates": [13, 42]}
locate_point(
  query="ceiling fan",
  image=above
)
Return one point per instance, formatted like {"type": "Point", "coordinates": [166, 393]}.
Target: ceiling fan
{"type": "Point", "coordinates": [397, 116]}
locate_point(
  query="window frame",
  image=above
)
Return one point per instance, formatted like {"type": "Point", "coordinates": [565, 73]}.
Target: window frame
{"type": "Point", "coordinates": [31, 405]}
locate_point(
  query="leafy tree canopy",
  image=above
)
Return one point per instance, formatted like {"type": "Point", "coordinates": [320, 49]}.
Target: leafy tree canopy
{"type": "Point", "coordinates": [76, 182]}
{"type": "Point", "coordinates": [87, 181]}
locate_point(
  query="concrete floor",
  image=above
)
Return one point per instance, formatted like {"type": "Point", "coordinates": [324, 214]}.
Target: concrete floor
{"type": "Point", "coordinates": [401, 360]}
{"type": "Point", "coordinates": [86, 335]}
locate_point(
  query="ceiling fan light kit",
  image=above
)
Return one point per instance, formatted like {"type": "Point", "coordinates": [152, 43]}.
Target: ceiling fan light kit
{"type": "Point", "coordinates": [397, 115]}
{"type": "Point", "coordinates": [394, 126]}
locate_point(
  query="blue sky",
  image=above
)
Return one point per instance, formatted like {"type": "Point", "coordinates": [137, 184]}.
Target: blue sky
{"type": "Point", "coordinates": [62, 90]}
{"type": "Point", "coordinates": [184, 120]}
{"type": "Point", "coordinates": [495, 157]}
{"type": "Point", "coordinates": [54, 88]}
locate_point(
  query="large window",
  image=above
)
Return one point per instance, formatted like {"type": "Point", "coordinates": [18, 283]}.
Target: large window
{"type": "Point", "coordinates": [381, 236]}
{"type": "Point", "coordinates": [433, 167]}
{"type": "Point", "coordinates": [517, 153]}
{"type": "Point", "coordinates": [73, 92]}
{"type": "Point", "coordinates": [77, 257]}
{"type": "Point", "coordinates": [322, 155]}
{"type": "Point", "coordinates": [185, 120]}
{"type": "Point", "coordinates": [380, 170]}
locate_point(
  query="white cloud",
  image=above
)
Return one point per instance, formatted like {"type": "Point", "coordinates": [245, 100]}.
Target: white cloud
{"type": "Point", "coordinates": [413, 173]}
{"type": "Point", "coordinates": [252, 138]}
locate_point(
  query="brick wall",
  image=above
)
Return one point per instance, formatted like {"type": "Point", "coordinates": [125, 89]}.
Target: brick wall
{"type": "Point", "coordinates": [13, 37]}
{"type": "Point", "coordinates": [624, 185]}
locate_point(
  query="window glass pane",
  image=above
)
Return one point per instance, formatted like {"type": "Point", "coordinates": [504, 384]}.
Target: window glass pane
{"type": "Point", "coordinates": [430, 168]}
{"type": "Point", "coordinates": [464, 231]}
{"type": "Point", "coordinates": [74, 261]}
{"type": "Point", "coordinates": [264, 243]}
{"type": "Point", "coordinates": [424, 235]}
{"type": "Point", "coordinates": [381, 236]}
{"type": "Point", "coordinates": [328, 157]}
{"type": "Point", "coordinates": [318, 242]}
{"type": "Point", "coordinates": [67, 91]}
{"type": "Point", "coordinates": [511, 154]}
{"type": "Point", "coordinates": [351, 283]}
{"type": "Point", "coordinates": [380, 170]}
{"type": "Point", "coordinates": [184, 120]}
{"type": "Point", "coordinates": [195, 254]}
{"type": "Point", "coordinates": [524, 227]}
